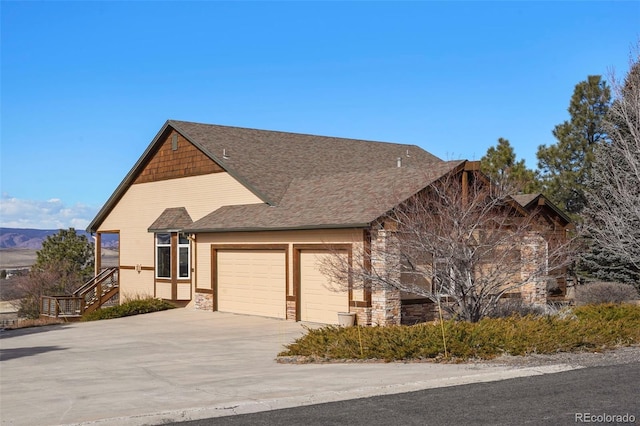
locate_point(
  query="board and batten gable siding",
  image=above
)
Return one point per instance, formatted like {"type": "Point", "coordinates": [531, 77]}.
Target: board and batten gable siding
{"type": "Point", "coordinates": [143, 203]}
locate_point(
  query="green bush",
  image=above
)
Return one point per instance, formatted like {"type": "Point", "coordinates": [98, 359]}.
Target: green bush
{"type": "Point", "coordinates": [129, 308]}
{"type": "Point", "coordinates": [590, 327]}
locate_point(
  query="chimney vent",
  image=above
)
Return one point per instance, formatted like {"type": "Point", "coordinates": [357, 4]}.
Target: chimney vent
{"type": "Point", "coordinates": [399, 162]}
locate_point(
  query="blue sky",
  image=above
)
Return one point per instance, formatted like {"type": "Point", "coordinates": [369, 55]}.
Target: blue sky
{"type": "Point", "coordinates": [86, 85]}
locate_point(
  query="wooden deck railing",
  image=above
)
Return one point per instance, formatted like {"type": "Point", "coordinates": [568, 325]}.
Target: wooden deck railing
{"type": "Point", "coordinates": [61, 306]}
{"type": "Point", "coordinates": [89, 297]}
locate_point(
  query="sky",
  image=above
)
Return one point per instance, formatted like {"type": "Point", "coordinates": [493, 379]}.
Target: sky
{"type": "Point", "coordinates": [85, 86]}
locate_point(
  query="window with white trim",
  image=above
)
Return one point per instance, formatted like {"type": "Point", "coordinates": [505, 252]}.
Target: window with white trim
{"type": "Point", "coordinates": [184, 256]}
{"type": "Point", "coordinates": [163, 255]}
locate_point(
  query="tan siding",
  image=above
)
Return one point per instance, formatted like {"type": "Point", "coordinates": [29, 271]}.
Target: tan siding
{"type": "Point", "coordinates": [163, 290]}
{"type": "Point", "coordinates": [135, 284]}
{"type": "Point", "coordinates": [143, 203]}
{"type": "Point", "coordinates": [184, 291]}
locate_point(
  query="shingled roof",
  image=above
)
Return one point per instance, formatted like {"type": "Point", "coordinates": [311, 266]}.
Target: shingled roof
{"type": "Point", "coordinates": [307, 180]}
{"type": "Point", "coordinates": [531, 201]}
{"type": "Point", "coordinates": [353, 199]}
{"type": "Point", "coordinates": [269, 160]}
{"type": "Point", "coordinates": [171, 219]}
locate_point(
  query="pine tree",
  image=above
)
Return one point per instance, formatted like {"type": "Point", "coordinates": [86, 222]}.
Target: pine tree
{"type": "Point", "coordinates": [64, 262]}
{"type": "Point", "coordinates": [67, 252]}
{"type": "Point", "coordinates": [565, 166]}
{"type": "Point", "coordinates": [499, 163]}
{"type": "Point", "coordinates": [605, 265]}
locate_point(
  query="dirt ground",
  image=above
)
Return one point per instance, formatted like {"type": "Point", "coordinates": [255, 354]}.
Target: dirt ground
{"type": "Point", "coordinates": [24, 258]}
{"type": "Point", "coordinates": [17, 258]}
{"type": "Point", "coordinates": [13, 260]}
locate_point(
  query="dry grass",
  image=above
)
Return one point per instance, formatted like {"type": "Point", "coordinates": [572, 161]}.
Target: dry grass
{"type": "Point", "coordinates": [23, 258]}
{"type": "Point", "coordinates": [40, 322]}
{"type": "Point", "coordinates": [605, 292]}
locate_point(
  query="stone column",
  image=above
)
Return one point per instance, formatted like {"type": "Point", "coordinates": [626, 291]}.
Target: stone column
{"type": "Point", "coordinates": [385, 301]}
{"type": "Point", "coordinates": [534, 258]}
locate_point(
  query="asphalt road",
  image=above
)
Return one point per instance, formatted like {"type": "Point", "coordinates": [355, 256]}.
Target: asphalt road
{"type": "Point", "coordinates": [550, 399]}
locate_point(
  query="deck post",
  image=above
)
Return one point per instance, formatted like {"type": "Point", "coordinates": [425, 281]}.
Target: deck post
{"type": "Point", "coordinates": [98, 253]}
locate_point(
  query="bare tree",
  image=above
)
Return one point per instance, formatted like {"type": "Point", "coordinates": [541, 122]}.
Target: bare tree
{"type": "Point", "coordinates": [44, 281]}
{"type": "Point", "coordinates": [613, 210]}
{"type": "Point", "coordinates": [462, 243]}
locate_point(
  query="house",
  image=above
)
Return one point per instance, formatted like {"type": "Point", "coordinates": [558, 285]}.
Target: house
{"type": "Point", "coordinates": [239, 220]}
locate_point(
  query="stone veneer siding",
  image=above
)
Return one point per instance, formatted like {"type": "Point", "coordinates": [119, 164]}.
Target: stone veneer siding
{"type": "Point", "coordinates": [385, 302]}
{"type": "Point", "coordinates": [534, 251]}
{"type": "Point", "coordinates": [415, 312]}
{"type": "Point", "coordinates": [291, 310]}
{"type": "Point", "coordinates": [204, 301]}
{"type": "Point", "coordinates": [363, 315]}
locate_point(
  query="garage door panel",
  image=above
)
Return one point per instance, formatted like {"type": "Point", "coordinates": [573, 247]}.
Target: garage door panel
{"type": "Point", "coordinates": [319, 300]}
{"type": "Point", "coordinates": [252, 282]}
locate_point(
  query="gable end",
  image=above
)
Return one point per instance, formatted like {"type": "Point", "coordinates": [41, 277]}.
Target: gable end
{"type": "Point", "coordinates": [169, 163]}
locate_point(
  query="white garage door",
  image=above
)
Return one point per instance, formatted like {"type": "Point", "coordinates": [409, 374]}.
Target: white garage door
{"type": "Point", "coordinates": [252, 282]}
{"type": "Point", "coordinates": [319, 302]}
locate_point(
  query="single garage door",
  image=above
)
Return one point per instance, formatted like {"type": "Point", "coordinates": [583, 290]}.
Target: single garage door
{"type": "Point", "coordinates": [318, 300]}
{"type": "Point", "coordinates": [252, 282]}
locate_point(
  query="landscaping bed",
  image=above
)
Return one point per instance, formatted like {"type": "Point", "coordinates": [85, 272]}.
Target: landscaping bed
{"type": "Point", "coordinates": [129, 308]}
{"type": "Point", "coordinates": [586, 328]}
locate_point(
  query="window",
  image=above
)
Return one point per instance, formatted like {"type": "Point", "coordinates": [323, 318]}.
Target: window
{"type": "Point", "coordinates": [184, 256]}
{"type": "Point", "coordinates": [163, 255]}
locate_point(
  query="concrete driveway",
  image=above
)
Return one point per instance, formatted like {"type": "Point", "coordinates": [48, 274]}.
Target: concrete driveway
{"type": "Point", "coordinates": [185, 364]}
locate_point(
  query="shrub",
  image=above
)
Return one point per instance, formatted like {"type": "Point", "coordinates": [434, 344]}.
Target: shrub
{"type": "Point", "coordinates": [515, 306]}
{"type": "Point", "coordinates": [130, 307]}
{"type": "Point", "coordinates": [605, 292]}
{"type": "Point", "coordinates": [591, 327]}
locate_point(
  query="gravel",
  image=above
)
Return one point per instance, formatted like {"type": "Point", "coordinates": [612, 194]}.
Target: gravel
{"type": "Point", "coordinates": [622, 355]}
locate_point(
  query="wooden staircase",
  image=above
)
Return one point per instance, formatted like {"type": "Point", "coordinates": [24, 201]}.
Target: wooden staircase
{"type": "Point", "coordinates": [101, 290]}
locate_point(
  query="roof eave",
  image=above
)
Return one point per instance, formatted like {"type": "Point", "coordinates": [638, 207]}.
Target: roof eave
{"type": "Point", "coordinates": [277, 228]}
{"type": "Point", "coordinates": [121, 189]}
{"type": "Point", "coordinates": [124, 184]}
{"type": "Point", "coordinates": [556, 209]}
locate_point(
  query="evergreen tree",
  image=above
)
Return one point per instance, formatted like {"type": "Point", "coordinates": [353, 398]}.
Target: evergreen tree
{"type": "Point", "coordinates": [67, 252]}
{"type": "Point", "coordinates": [605, 265]}
{"type": "Point", "coordinates": [64, 262]}
{"type": "Point", "coordinates": [565, 166]}
{"type": "Point", "coordinates": [499, 163]}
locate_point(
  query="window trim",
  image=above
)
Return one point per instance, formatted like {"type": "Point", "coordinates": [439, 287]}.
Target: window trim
{"type": "Point", "coordinates": [186, 245]}
{"type": "Point", "coordinates": [159, 245]}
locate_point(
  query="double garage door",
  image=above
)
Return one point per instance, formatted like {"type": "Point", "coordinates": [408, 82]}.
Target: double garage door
{"type": "Point", "coordinates": [254, 282]}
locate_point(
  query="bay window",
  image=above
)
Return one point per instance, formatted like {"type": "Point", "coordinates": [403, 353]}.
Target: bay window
{"type": "Point", "coordinates": [163, 255]}
{"type": "Point", "coordinates": [184, 256]}
{"type": "Point", "coordinates": [173, 256]}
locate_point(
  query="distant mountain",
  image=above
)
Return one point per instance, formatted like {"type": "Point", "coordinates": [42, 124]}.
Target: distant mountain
{"type": "Point", "coordinates": [18, 238]}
